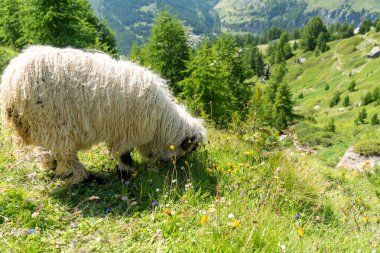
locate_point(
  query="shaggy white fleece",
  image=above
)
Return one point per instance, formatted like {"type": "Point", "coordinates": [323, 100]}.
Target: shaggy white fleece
{"type": "Point", "coordinates": [66, 100]}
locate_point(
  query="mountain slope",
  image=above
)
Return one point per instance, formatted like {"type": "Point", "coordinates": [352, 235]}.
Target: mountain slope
{"type": "Point", "coordinates": [132, 20]}
{"type": "Point", "coordinates": [345, 62]}
{"type": "Point", "coordinates": [257, 16]}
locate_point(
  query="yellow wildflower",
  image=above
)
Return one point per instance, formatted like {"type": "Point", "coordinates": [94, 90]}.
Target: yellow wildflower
{"type": "Point", "coordinates": [229, 164]}
{"type": "Point", "coordinates": [366, 219]}
{"type": "Point", "coordinates": [229, 172]}
{"type": "Point", "coordinates": [167, 211]}
{"type": "Point", "coordinates": [205, 219]}
{"type": "Point", "coordinates": [172, 147]}
{"type": "Point", "coordinates": [218, 169]}
{"type": "Point", "coordinates": [236, 223]}
{"type": "Point", "coordinates": [300, 231]}
{"type": "Point", "coordinates": [134, 174]}
{"type": "Point", "coordinates": [209, 170]}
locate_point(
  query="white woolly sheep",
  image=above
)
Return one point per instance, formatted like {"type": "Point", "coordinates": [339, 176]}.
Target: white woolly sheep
{"type": "Point", "coordinates": [66, 100]}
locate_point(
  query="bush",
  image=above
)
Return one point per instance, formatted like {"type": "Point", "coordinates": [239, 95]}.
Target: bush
{"type": "Point", "coordinates": [367, 148]}
{"type": "Point", "coordinates": [352, 86]}
{"type": "Point", "coordinates": [313, 136]}
{"type": "Point", "coordinates": [335, 100]}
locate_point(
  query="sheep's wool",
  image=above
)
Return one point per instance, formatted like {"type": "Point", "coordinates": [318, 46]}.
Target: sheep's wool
{"type": "Point", "coordinates": [66, 100]}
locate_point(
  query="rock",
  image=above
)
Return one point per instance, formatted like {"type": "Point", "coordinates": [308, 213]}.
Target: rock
{"type": "Point", "coordinates": [375, 52]}
{"type": "Point", "coordinates": [354, 161]}
{"type": "Point", "coordinates": [301, 60]}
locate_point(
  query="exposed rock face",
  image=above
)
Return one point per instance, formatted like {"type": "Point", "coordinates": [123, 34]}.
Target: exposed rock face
{"type": "Point", "coordinates": [375, 52]}
{"type": "Point", "coordinates": [354, 161]}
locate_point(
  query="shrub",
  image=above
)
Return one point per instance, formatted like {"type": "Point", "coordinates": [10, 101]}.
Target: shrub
{"type": "Point", "coordinates": [346, 101]}
{"type": "Point", "coordinates": [335, 100]}
{"type": "Point", "coordinates": [367, 99]}
{"type": "Point", "coordinates": [375, 120]}
{"type": "Point", "coordinates": [367, 148]}
{"type": "Point", "coordinates": [351, 87]}
{"type": "Point", "coordinates": [330, 126]}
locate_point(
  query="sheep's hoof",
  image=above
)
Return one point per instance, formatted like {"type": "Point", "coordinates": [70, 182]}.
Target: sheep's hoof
{"type": "Point", "coordinates": [73, 176]}
{"type": "Point", "coordinates": [94, 178]}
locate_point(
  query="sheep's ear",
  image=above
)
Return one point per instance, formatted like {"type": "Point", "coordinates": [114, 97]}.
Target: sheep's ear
{"type": "Point", "coordinates": [186, 144]}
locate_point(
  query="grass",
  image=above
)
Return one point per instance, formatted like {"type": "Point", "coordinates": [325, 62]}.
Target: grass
{"type": "Point", "coordinates": [232, 195]}
{"type": "Point", "coordinates": [337, 68]}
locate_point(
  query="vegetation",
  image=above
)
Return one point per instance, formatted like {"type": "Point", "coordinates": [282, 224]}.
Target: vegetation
{"type": "Point", "coordinates": [248, 188]}
{"type": "Point", "coordinates": [368, 148]}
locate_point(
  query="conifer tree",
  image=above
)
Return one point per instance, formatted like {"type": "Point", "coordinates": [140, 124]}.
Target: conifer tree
{"type": "Point", "coordinates": [206, 88]}
{"type": "Point", "coordinates": [310, 33]}
{"type": "Point", "coordinates": [352, 86]}
{"type": "Point", "coordinates": [375, 120]}
{"type": "Point", "coordinates": [59, 23]}
{"type": "Point", "coordinates": [167, 50]}
{"type": "Point", "coordinates": [282, 114]}
{"type": "Point", "coordinates": [346, 101]}
{"type": "Point", "coordinates": [11, 23]}
{"type": "Point", "coordinates": [361, 117]}
{"type": "Point", "coordinates": [257, 62]}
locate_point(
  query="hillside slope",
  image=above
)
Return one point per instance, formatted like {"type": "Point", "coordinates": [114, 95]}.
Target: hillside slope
{"type": "Point", "coordinates": [132, 20]}
{"type": "Point", "coordinates": [257, 16]}
{"type": "Point", "coordinates": [345, 62]}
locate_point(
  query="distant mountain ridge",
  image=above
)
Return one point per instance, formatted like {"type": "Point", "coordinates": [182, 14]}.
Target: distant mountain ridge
{"type": "Point", "coordinates": [132, 20]}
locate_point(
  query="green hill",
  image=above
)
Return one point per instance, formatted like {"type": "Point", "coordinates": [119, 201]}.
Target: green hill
{"type": "Point", "coordinates": [344, 62]}
{"type": "Point", "coordinates": [258, 16]}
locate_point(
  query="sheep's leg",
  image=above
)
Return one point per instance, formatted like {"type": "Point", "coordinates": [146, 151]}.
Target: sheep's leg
{"type": "Point", "coordinates": [125, 169]}
{"type": "Point", "coordinates": [70, 169]}
{"type": "Point", "coordinates": [47, 161]}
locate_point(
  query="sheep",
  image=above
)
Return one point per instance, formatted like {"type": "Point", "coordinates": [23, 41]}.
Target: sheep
{"type": "Point", "coordinates": [66, 100]}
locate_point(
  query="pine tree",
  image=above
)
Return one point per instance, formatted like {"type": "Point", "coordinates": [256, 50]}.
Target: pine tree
{"type": "Point", "coordinates": [367, 99]}
{"type": "Point", "coordinates": [282, 114]}
{"type": "Point", "coordinates": [11, 23]}
{"type": "Point", "coordinates": [335, 100]}
{"type": "Point", "coordinates": [375, 120]}
{"type": "Point", "coordinates": [361, 117]}
{"type": "Point", "coordinates": [322, 42]}
{"type": "Point", "coordinates": [352, 86]}
{"type": "Point", "coordinates": [295, 46]}
{"type": "Point", "coordinates": [206, 88]}
{"type": "Point", "coordinates": [167, 50]}
{"type": "Point", "coordinates": [346, 101]}
{"type": "Point", "coordinates": [257, 62]}
{"type": "Point", "coordinates": [310, 33]}
{"type": "Point", "coordinates": [60, 23]}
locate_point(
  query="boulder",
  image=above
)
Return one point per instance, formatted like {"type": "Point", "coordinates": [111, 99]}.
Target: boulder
{"type": "Point", "coordinates": [375, 52]}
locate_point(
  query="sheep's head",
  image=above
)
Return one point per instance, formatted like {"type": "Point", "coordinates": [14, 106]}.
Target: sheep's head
{"type": "Point", "coordinates": [188, 141]}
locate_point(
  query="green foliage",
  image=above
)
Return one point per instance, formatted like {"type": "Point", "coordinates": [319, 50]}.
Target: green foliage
{"type": "Point", "coordinates": [282, 113]}
{"type": "Point", "coordinates": [327, 87]}
{"type": "Point", "coordinates": [361, 117]}
{"type": "Point", "coordinates": [167, 51]}
{"type": "Point", "coordinates": [11, 23]}
{"type": "Point", "coordinates": [312, 135]}
{"type": "Point", "coordinates": [365, 26]}
{"type": "Point", "coordinates": [64, 23]}
{"type": "Point", "coordinates": [335, 100]}
{"type": "Point", "coordinates": [375, 120]}
{"type": "Point", "coordinates": [312, 34]}
{"type": "Point", "coordinates": [216, 81]}
{"type": "Point", "coordinates": [6, 54]}
{"type": "Point", "coordinates": [295, 46]}
{"type": "Point", "coordinates": [256, 61]}
{"type": "Point", "coordinates": [367, 148]}
{"type": "Point", "coordinates": [330, 126]}
{"type": "Point", "coordinates": [346, 101]}
{"type": "Point", "coordinates": [322, 42]}
{"type": "Point", "coordinates": [352, 86]}
{"type": "Point", "coordinates": [367, 99]}
{"type": "Point", "coordinates": [300, 96]}
{"type": "Point", "coordinates": [282, 50]}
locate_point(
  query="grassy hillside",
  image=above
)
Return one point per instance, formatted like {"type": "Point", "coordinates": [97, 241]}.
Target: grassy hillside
{"type": "Point", "coordinates": [259, 16]}
{"type": "Point", "coordinates": [344, 62]}
{"type": "Point", "coordinates": [228, 197]}
{"type": "Point", "coordinates": [356, 5]}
